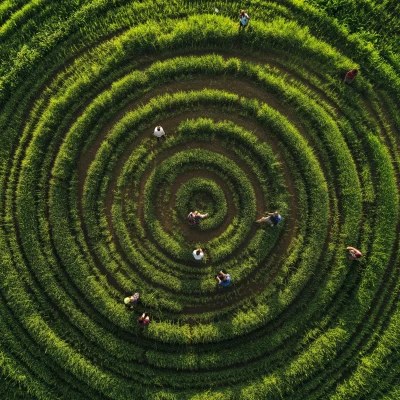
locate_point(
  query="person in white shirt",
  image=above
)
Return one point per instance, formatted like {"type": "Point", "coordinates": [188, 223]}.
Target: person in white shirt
{"type": "Point", "coordinates": [159, 133]}
{"type": "Point", "coordinates": [198, 254]}
{"type": "Point", "coordinates": [194, 217]}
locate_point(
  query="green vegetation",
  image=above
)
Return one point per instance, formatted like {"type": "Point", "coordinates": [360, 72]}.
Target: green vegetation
{"type": "Point", "coordinates": [93, 208]}
{"type": "Point", "coordinates": [201, 194]}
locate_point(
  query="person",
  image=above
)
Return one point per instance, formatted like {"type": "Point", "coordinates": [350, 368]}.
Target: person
{"type": "Point", "coordinates": [351, 75]}
{"type": "Point", "coordinates": [244, 19]}
{"type": "Point", "coordinates": [273, 218]}
{"type": "Point", "coordinates": [143, 320]}
{"type": "Point", "coordinates": [223, 279]}
{"type": "Point", "coordinates": [159, 133]}
{"type": "Point", "coordinates": [194, 217]}
{"type": "Point", "coordinates": [198, 254]}
{"type": "Point", "coordinates": [132, 300]}
{"type": "Point", "coordinates": [354, 254]}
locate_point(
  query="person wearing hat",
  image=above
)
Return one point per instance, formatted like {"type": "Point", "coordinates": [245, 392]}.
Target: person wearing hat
{"type": "Point", "coordinates": [132, 300]}
{"type": "Point", "coordinates": [159, 133]}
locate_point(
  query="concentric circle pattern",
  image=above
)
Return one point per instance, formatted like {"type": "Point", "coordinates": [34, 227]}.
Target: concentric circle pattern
{"type": "Point", "coordinates": [94, 207]}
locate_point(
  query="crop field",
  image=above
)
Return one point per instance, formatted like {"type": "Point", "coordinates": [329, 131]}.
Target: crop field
{"type": "Point", "coordinates": [93, 207]}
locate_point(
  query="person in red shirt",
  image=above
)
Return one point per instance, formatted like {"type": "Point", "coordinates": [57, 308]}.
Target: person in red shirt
{"type": "Point", "coordinates": [351, 75]}
{"type": "Point", "coordinates": [354, 254]}
{"type": "Point", "coordinates": [143, 320]}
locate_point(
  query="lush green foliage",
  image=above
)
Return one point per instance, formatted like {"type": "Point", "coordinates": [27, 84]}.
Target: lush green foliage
{"type": "Point", "coordinates": [94, 208]}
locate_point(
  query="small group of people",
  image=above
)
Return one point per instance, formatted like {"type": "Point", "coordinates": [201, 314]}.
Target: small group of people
{"type": "Point", "coordinates": [244, 21]}
{"type": "Point", "coordinates": [274, 218]}
{"type": "Point", "coordinates": [133, 300]}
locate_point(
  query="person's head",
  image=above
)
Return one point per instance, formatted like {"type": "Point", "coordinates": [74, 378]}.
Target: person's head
{"type": "Point", "coordinates": [198, 251]}
{"type": "Point", "coordinates": [159, 128]}
{"type": "Point", "coordinates": [354, 71]}
{"type": "Point", "coordinates": [127, 300]}
{"type": "Point", "coordinates": [242, 12]}
{"type": "Point", "coordinates": [276, 213]}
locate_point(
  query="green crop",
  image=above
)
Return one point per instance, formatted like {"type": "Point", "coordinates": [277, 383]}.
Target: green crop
{"type": "Point", "coordinates": [94, 208]}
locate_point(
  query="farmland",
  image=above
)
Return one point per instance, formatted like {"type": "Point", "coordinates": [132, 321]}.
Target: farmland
{"type": "Point", "coordinates": [94, 208]}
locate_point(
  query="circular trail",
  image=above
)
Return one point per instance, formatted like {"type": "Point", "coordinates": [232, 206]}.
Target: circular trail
{"type": "Point", "coordinates": [93, 206]}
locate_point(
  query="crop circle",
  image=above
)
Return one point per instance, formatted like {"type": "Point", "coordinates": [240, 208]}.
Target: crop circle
{"type": "Point", "coordinates": [94, 207]}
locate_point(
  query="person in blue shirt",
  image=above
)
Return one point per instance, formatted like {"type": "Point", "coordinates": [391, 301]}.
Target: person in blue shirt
{"type": "Point", "coordinates": [223, 279]}
{"type": "Point", "coordinates": [273, 218]}
{"type": "Point", "coordinates": [244, 19]}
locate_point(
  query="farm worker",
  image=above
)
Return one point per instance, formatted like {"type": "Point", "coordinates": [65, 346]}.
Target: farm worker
{"type": "Point", "coordinates": [143, 320]}
{"type": "Point", "coordinates": [354, 254]}
{"type": "Point", "coordinates": [223, 279]}
{"type": "Point", "coordinates": [159, 133]}
{"type": "Point", "coordinates": [350, 76]}
{"type": "Point", "coordinates": [198, 254]}
{"type": "Point", "coordinates": [244, 19]}
{"type": "Point", "coordinates": [273, 218]}
{"type": "Point", "coordinates": [132, 300]}
{"type": "Point", "coordinates": [194, 217]}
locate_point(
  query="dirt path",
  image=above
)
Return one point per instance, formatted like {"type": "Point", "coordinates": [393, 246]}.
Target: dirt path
{"type": "Point", "coordinates": [170, 126]}
{"type": "Point", "coordinates": [231, 84]}
{"type": "Point", "coordinates": [241, 87]}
